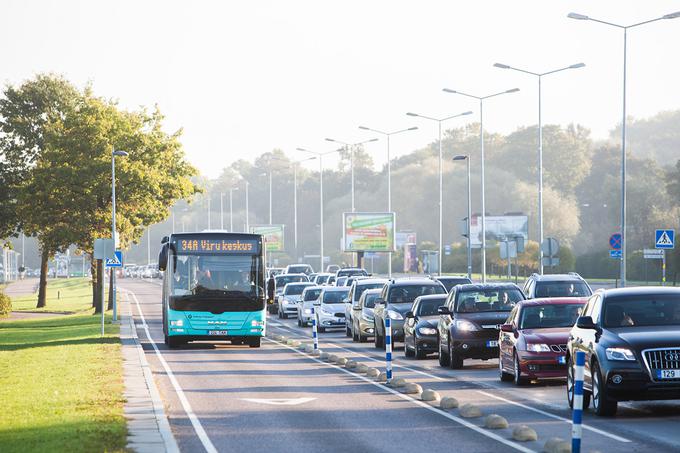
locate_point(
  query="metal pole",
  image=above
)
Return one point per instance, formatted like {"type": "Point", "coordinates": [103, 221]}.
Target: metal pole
{"type": "Point", "coordinates": [441, 197]}
{"type": "Point", "coordinates": [208, 196]}
{"type": "Point", "coordinates": [247, 212]}
{"type": "Point", "coordinates": [101, 298]}
{"type": "Point", "coordinates": [663, 268]}
{"type": "Point", "coordinates": [23, 259]}
{"type": "Point", "coordinates": [624, 240]}
{"type": "Point", "coordinates": [295, 211]}
{"type": "Point", "coordinates": [231, 210]}
{"type": "Point", "coordinates": [315, 334]}
{"type": "Point", "coordinates": [481, 140]}
{"type": "Point", "coordinates": [540, 181]}
{"type": "Point", "coordinates": [577, 414]}
{"type": "Point", "coordinates": [113, 235]}
{"type": "Point", "coordinates": [351, 165]}
{"type": "Point", "coordinates": [321, 212]}
{"type": "Point", "coordinates": [389, 203]}
{"type": "Point", "coordinates": [469, 214]}
{"type": "Point", "coordinates": [221, 211]}
{"type": "Point", "coordinates": [388, 349]}
{"type": "Point", "coordinates": [148, 245]}
{"type": "Point", "coordinates": [173, 220]}
{"type": "Point", "coordinates": [270, 196]}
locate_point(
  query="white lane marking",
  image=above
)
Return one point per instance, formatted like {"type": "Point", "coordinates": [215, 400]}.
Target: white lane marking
{"type": "Point", "coordinates": [279, 401]}
{"type": "Point", "coordinates": [195, 422]}
{"type": "Point", "coordinates": [458, 420]}
{"type": "Point", "coordinates": [556, 417]}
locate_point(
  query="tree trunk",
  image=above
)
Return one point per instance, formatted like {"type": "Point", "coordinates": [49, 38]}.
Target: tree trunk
{"type": "Point", "coordinates": [100, 286]}
{"type": "Point", "coordinates": [110, 305]}
{"type": "Point", "coordinates": [95, 288]}
{"type": "Point", "coordinates": [42, 291]}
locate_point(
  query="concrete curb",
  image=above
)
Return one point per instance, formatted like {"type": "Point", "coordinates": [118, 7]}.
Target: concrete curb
{"type": "Point", "coordinates": [145, 433]}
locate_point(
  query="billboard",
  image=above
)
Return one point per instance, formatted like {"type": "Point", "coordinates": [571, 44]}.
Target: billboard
{"type": "Point", "coordinates": [273, 236]}
{"type": "Point", "coordinates": [498, 228]}
{"type": "Point", "coordinates": [405, 237]}
{"type": "Point", "coordinates": [368, 231]}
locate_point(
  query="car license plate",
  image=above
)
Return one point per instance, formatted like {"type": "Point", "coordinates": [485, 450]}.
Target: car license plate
{"type": "Point", "coordinates": [217, 332]}
{"type": "Point", "coordinates": [562, 360]}
{"type": "Point", "coordinates": [492, 344]}
{"type": "Point", "coordinates": [668, 374]}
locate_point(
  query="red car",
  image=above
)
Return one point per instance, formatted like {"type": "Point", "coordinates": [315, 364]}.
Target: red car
{"type": "Point", "coordinates": [533, 341]}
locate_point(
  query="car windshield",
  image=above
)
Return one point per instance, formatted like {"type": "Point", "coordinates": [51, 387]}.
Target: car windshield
{"type": "Point", "coordinates": [312, 294]}
{"type": "Point", "coordinates": [562, 289]}
{"type": "Point", "coordinates": [406, 294]}
{"type": "Point", "coordinates": [641, 311]}
{"type": "Point", "coordinates": [449, 283]}
{"type": "Point", "coordinates": [321, 279]}
{"type": "Point", "coordinates": [363, 287]}
{"type": "Point", "coordinates": [334, 297]}
{"type": "Point", "coordinates": [350, 272]}
{"type": "Point", "coordinates": [502, 299]}
{"type": "Point", "coordinates": [549, 316]}
{"type": "Point", "coordinates": [285, 279]}
{"type": "Point", "coordinates": [294, 289]}
{"type": "Point", "coordinates": [428, 307]}
{"type": "Point", "coordinates": [369, 300]}
{"type": "Point", "coordinates": [340, 281]}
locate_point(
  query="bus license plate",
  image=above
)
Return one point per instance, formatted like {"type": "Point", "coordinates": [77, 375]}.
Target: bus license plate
{"type": "Point", "coordinates": [217, 332]}
{"type": "Point", "coordinates": [492, 344]}
{"type": "Point", "coordinates": [668, 374]}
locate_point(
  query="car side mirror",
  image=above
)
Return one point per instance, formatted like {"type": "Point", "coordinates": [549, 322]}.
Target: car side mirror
{"type": "Point", "coordinates": [586, 322]}
{"type": "Point", "coordinates": [345, 301]}
{"type": "Point", "coordinates": [507, 328]}
{"type": "Point", "coordinates": [409, 314]}
{"type": "Point", "coordinates": [443, 310]}
{"type": "Point", "coordinates": [379, 302]}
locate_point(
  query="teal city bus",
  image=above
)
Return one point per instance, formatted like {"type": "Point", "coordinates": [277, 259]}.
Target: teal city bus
{"type": "Point", "coordinates": [213, 288]}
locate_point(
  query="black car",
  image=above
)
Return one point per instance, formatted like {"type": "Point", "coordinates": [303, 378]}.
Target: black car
{"type": "Point", "coordinates": [396, 299]}
{"type": "Point", "coordinates": [556, 285]}
{"type": "Point", "coordinates": [449, 281]}
{"type": "Point", "coordinates": [631, 338]}
{"type": "Point", "coordinates": [469, 322]}
{"type": "Point", "coordinates": [420, 327]}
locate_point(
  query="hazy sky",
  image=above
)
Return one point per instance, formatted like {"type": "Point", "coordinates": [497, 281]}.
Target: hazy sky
{"type": "Point", "coordinates": [245, 77]}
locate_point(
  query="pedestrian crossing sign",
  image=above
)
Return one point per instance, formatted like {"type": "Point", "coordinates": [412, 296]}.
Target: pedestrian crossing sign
{"type": "Point", "coordinates": [665, 239]}
{"type": "Point", "coordinates": [116, 261]}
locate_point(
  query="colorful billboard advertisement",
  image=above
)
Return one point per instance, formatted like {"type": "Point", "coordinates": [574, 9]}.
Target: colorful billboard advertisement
{"type": "Point", "coordinates": [498, 228]}
{"type": "Point", "coordinates": [273, 236]}
{"type": "Point", "coordinates": [368, 231]}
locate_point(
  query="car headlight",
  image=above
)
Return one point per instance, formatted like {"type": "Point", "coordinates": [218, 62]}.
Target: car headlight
{"type": "Point", "coordinates": [394, 315]}
{"type": "Point", "coordinates": [466, 326]}
{"type": "Point", "coordinates": [427, 331]}
{"type": "Point", "coordinates": [177, 323]}
{"type": "Point", "coordinates": [538, 347]}
{"type": "Point", "coordinates": [367, 318]}
{"type": "Point", "coordinates": [308, 311]}
{"type": "Point", "coordinates": [620, 354]}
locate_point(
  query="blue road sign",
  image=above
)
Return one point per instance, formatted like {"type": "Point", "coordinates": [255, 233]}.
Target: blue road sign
{"type": "Point", "coordinates": [665, 239]}
{"type": "Point", "coordinates": [615, 241]}
{"type": "Point", "coordinates": [447, 249]}
{"type": "Point", "coordinates": [116, 261]}
{"type": "Point", "coordinates": [615, 254]}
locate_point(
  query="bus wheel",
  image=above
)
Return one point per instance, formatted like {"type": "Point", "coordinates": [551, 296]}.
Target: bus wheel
{"type": "Point", "coordinates": [172, 342]}
{"type": "Point", "coordinates": [254, 342]}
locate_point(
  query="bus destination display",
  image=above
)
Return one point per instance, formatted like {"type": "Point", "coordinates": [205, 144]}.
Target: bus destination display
{"type": "Point", "coordinates": [215, 246]}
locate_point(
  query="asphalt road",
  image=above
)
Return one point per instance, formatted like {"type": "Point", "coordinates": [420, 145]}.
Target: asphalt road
{"type": "Point", "coordinates": [229, 398]}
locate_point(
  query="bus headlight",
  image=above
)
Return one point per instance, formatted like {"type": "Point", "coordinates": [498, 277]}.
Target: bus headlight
{"type": "Point", "coordinates": [256, 323]}
{"type": "Point", "coordinates": [177, 323]}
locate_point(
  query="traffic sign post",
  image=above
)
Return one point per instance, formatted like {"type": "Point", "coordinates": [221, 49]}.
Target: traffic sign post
{"type": "Point", "coordinates": [550, 247]}
{"type": "Point", "coordinates": [615, 241]}
{"type": "Point", "coordinates": [664, 240]}
{"type": "Point", "coordinates": [616, 254]}
{"type": "Point", "coordinates": [116, 260]}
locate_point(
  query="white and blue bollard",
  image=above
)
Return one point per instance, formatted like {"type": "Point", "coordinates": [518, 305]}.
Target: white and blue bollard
{"type": "Point", "coordinates": [388, 349]}
{"type": "Point", "coordinates": [315, 335]}
{"type": "Point", "coordinates": [577, 414]}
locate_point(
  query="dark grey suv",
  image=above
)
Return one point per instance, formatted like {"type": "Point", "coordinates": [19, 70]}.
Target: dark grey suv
{"type": "Point", "coordinates": [556, 285]}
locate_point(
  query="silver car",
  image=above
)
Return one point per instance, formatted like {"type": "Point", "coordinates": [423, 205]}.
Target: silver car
{"type": "Point", "coordinates": [289, 298]}
{"type": "Point", "coordinates": [331, 311]}
{"type": "Point", "coordinates": [364, 323]}
{"type": "Point", "coordinates": [356, 289]}
{"type": "Point", "coordinates": [309, 300]}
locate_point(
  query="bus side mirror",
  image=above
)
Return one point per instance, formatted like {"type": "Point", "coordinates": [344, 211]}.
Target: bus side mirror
{"type": "Point", "coordinates": [165, 239]}
{"type": "Point", "coordinates": [163, 258]}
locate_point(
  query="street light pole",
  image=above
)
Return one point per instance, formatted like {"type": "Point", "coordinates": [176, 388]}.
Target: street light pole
{"type": "Point", "coordinates": [389, 175]}
{"type": "Point", "coordinates": [539, 76]}
{"type": "Point", "coordinates": [114, 153]}
{"type": "Point", "coordinates": [469, 214]}
{"type": "Point", "coordinates": [247, 211]}
{"type": "Point", "coordinates": [481, 145]}
{"type": "Point", "coordinates": [231, 208]}
{"type": "Point", "coordinates": [221, 210]}
{"type": "Point", "coordinates": [624, 239]}
{"type": "Point", "coordinates": [441, 179]}
{"type": "Point", "coordinates": [351, 146]}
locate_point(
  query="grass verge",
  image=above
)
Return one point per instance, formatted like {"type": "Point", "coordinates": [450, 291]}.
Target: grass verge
{"type": "Point", "coordinates": [61, 386]}
{"type": "Point", "coordinates": [69, 295]}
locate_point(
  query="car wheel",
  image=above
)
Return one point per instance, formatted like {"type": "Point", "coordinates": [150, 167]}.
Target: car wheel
{"type": "Point", "coordinates": [348, 331]}
{"type": "Point", "coordinates": [321, 329]}
{"type": "Point", "coordinates": [299, 321]}
{"type": "Point", "coordinates": [419, 354]}
{"type": "Point", "coordinates": [443, 357]}
{"type": "Point", "coordinates": [570, 387]}
{"type": "Point", "coordinates": [355, 334]}
{"type": "Point", "coordinates": [602, 405]}
{"type": "Point", "coordinates": [377, 340]}
{"type": "Point", "coordinates": [407, 351]}
{"type": "Point", "coordinates": [284, 316]}
{"type": "Point", "coordinates": [519, 378]}
{"type": "Point", "coordinates": [455, 360]}
{"type": "Point", "coordinates": [505, 377]}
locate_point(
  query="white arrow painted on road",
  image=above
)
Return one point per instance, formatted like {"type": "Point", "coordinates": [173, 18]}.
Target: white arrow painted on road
{"type": "Point", "coordinates": [279, 401]}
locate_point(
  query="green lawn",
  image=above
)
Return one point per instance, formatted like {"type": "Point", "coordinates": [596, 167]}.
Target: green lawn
{"type": "Point", "coordinates": [68, 295]}
{"type": "Point", "coordinates": [61, 384]}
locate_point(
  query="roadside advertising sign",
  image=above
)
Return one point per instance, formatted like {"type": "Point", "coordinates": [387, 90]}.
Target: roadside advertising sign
{"type": "Point", "coordinates": [368, 232]}
{"type": "Point", "coordinates": [273, 236]}
{"type": "Point", "coordinates": [405, 237]}
{"type": "Point", "coordinates": [498, 228]}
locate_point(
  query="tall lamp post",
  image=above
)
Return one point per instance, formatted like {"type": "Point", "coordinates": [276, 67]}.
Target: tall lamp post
{"type": "Point", "coordinates": [295, 209]}
{"type": "Point", "coordinates": [247, 211]}
{"type": "Point", "coordinates": [389, 175]}
{"type": "Point", "coordinates": [481, 100]}
{"type": "Point", "coordinates": [469, 213]}
{"type": "Point", "coordinates": [231, 208]}
{"type": "Point", "coordinates": [625, 28]}
{"type": "Point", "coordinates": [351, 146]}
{"type": "Point", "coordinates": [320, 156]}
{"type": "Point", "coordinates": [539, 76]}
{"type": "Point", "coordinates": [441, 179]}
{"type": "Point", "coordinates": [115, 153]}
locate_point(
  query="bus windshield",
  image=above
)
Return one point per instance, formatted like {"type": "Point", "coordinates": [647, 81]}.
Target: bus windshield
{"type": "Point", "coordinates": [216, 282]}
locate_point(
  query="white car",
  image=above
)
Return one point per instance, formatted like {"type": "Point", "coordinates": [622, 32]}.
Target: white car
{"type": "Point", "coordinates": [289, 298]}
{"type": "Point", "coordinates": [331, 310]}
{"type": "Point", "coordinates": [309, 300]}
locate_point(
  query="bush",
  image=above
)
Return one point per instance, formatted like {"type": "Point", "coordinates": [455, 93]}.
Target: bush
{"type": "Point", "coordinates": [5, 304]}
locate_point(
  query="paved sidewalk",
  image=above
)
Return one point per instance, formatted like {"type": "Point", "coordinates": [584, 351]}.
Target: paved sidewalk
{"type": "Point", "coordinates": [21, 288]}
{"type": "Point", "coordinates": [148, 427]}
